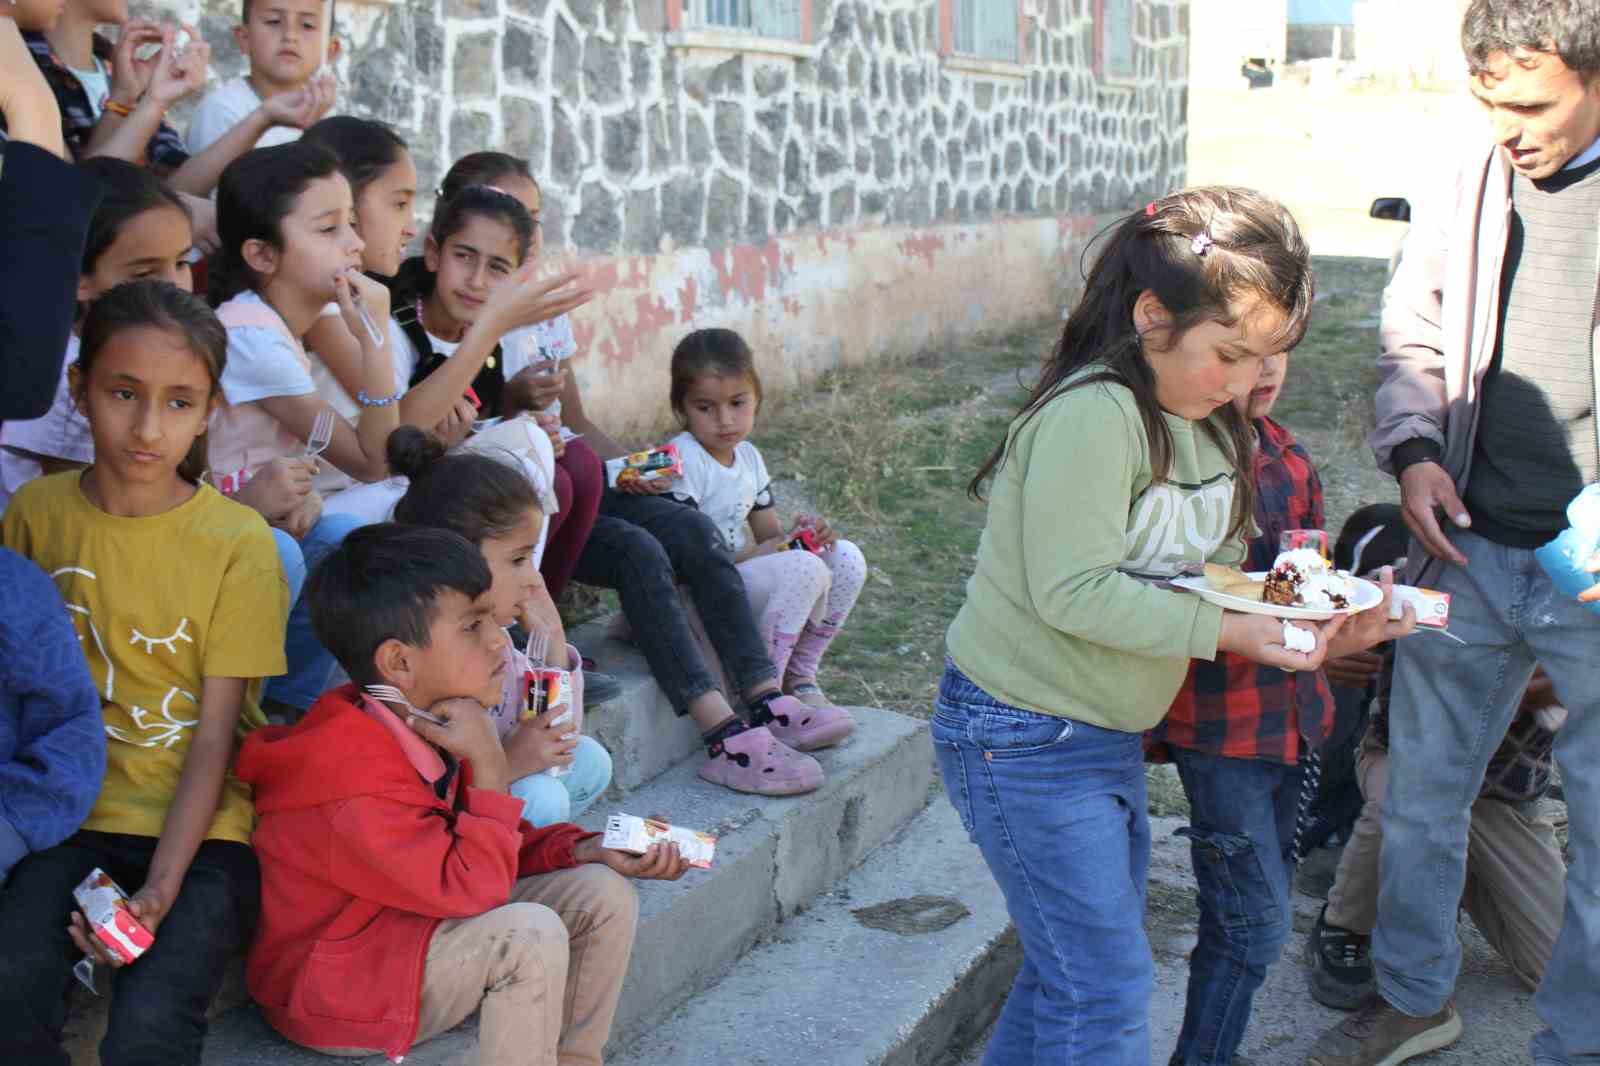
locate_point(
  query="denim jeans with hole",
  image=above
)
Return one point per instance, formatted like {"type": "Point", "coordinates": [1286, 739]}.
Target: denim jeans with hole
{"type": "Point", "coordinates": [309, 662]}
{"type": "Point", "coordinates": [1241, 835]}
{"type": "Point", "coordinates": [1057, 808]}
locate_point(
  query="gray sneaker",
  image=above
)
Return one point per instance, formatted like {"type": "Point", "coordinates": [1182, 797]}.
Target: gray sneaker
{"type": "Point", "coordinates": [1339, 965]}
{"type": "Point", "coordinates": [1380, 1035]}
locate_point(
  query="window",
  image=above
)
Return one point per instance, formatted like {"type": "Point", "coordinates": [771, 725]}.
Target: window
{"type": "Point", "coordinates": [1114, 40]}
{"type": "Point", "coordinates": [987, 29]}
{"type": "Point", "coordinates": [764, 18]}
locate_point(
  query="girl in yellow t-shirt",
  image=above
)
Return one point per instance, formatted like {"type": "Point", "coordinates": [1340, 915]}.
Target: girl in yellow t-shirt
{"type": "Point", "coordinates": [179, 603]}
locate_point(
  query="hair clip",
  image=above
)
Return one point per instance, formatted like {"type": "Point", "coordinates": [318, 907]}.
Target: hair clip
{"type": "Point", "coordinates": [1150, 209]}
{"type": "Point", "coordinates": [1201, 244]}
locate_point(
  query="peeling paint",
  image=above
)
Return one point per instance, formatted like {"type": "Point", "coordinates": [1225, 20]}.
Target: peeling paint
{"type": "Point", "coordinates": [923, 246]}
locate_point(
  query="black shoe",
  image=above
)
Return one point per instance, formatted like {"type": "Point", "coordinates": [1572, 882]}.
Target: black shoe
{"type": "Point", "coordinates": [1339, 966]}
{"type": "Point", "coordinates": [599, 687]}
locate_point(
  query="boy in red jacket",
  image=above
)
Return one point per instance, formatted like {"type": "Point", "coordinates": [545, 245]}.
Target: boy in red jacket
{"type": "Point", "coordinates": [400, 889]}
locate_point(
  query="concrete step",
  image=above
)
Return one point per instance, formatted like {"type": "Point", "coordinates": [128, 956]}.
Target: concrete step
{"type": "Point", "coordinates": [903, 964]}
{"type": "Point", "coordinates": [774, 856]}
{"type": "Point", "coordinates": [638, 728]}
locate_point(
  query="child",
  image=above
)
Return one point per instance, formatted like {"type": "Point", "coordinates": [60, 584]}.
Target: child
{"type": "Point", "coordinates": [801, 598]}
{"type": "Point", "coordinates": [288, 249]}
{"type": "Point", "coordinates": [286, 43]}
{"type": "Point", "coordinates": [1240, 733]}
{"type": "Point", "coordinates": [534, 354]}
{"type": "Point", "coordinates": [1127, 463]}
{"type": "Point", "coordinates": [52, 747]}
{"type": "Point", "coordinates": [401, 890]}
{"type": "Point", "coordinates": [491, 504]}
{"type": "Point", "coordinates": [179, 603]}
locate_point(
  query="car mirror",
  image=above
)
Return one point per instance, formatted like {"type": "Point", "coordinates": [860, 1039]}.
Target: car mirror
{"type": "Point", "coordinates": [1393, 208]}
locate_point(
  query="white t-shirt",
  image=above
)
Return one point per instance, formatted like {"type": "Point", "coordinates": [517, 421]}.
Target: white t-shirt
{"type": "Point", "coordinates": [61, 433]}
{"type": "Point", "coordinates": [96, 86]}
{"type": "Point", "coordinates": [527, 345]}
{"type": "Point", "coordinates": [726, 494]}
{"type": "Point", "coordinates": [224, 108]}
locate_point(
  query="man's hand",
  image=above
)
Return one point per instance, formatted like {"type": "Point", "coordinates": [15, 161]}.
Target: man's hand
{"type": "Point", "coordinates": [1426, 489]}
{"type": "Point", "coordinates": [470, 735]}
{"type": "Point", "coordinates": [661, 863]}
{"type": "Point", "coordinates": [1355, 671]}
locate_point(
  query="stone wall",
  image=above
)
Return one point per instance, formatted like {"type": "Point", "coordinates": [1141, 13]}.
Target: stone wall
{"type": "Point", "coordinates": [678, 154]}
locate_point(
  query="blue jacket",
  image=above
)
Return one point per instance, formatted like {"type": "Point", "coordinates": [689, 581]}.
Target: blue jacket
{"type": "Point", "coordinates": [52, 738]}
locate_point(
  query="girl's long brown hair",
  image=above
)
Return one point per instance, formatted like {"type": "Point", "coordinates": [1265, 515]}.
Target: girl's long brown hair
{"type": "Point", "coordinates": [1255, 250]}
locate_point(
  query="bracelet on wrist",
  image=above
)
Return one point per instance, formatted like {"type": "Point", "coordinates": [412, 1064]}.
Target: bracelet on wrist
{"type": "Point", "coordinates": [369, 401]}
{"type": "Point", "coordinates": [117, 108]}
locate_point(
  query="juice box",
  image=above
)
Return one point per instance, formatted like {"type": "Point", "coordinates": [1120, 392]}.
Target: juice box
{"type": "Point", "coordinates": [549, 689]}
{"type": "Point", "coordinates": [625, 832]}
{"type": "Point", "coordinates": [653, 464]}
{"type": "Point", "coordinates": [1433, 608]}
{"type": "Point", "coordinates": [105, 906]}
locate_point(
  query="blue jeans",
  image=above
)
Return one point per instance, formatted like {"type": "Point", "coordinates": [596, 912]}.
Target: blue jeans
{"type": "Point", "coordinates": [1448, 712]}
{"type": "Point", "coordinates": [293, 560]}
{"type": "Point", "coordinates": [547, 800]}
{"type": "Point", "coordinates": [1241, 833]}
{"type": "Point", "coordinates": [309, 663]}
{"type": "Point", "coordinates": [1057, 807]}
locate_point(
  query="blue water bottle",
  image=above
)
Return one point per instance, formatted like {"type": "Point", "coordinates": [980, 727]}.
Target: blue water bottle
{"type": "Point", "coordinates": [1566, 559]}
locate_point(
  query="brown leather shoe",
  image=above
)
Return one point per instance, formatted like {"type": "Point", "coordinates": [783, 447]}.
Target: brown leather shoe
{"type": "Point", "coordinates": [1380, 1035]}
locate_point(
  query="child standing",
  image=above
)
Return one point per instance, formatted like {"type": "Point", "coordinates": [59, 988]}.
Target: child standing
{"type": "Point", "coordinates": [286, 43]}
{"type": "Point", "coordinates": [800, 597]}
{"type": "Point", "coordinates": [179, 604]}
{"type": "Point", "coordinates": [1239, 732]}
{"type": "Point", "coordinates": [401, 889]}
{"type": "Point", "coordinates": [491, 504]}
{"type": "Point", "coordinates": [1127, 463]}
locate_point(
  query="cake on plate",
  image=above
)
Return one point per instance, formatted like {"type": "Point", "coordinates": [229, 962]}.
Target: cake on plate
{"type": "Point", "coordinates": [1303, 578]}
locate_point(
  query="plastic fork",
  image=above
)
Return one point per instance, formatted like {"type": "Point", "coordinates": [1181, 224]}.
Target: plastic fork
{"type": "Point", "coordinates": [321, 434]}
{"type": "Point", "coordinates": [366, 318]}
{"type": "Point", "coordinates": [390, 694]}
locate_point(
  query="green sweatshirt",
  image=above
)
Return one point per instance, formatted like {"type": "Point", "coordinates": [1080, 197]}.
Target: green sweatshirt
{"type": "Point", "coordinates": [1061, 615]}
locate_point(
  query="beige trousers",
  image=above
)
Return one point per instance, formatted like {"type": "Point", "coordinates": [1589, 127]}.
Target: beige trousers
{"type": "Point", "coordinates": [544, 971]}
{"type": "Point", "coordinates": [1516, 879]}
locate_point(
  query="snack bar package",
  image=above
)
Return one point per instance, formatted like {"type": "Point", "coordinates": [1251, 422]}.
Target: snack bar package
{"type": "Point", "coordinates": [804, 540]}
{"type": "Point", "coordinates": [655, 464]}
{"type": "Point", "coordinates": [105, 906]}
{"type": "Point", "coordinates": [625, 832]}
{"type": "Point", "coordinates": [548, 689]}
{"type": "Point", "coordinates": [1432, 608]}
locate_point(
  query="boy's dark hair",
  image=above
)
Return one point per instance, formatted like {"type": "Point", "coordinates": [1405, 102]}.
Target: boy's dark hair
{"type": "Point", "coordinates": [128, 191]}
{"type": "Point", "coordinates": [483, 168]}
{"type": "Point", "coordinates": [159, 305]}
{"type": "Point", "coordinates": [1569, 29]}
{"type": "Point", "coordinates": [1198, 251]}
{"type": "Point", "coordinates": [1389, 543]}
{"type": "Point", "coordinates": [711, 351]}
{"type": "Point", "coordinates": [383, 583]}
{"type": "Point", "coordinates": [365, 148]}
{"type": "Point", "coordinates": [469, 493]}
{"type": "Point", "coordinates": [256, 192]}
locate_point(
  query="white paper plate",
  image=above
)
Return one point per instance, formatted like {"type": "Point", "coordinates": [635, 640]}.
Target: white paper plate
{"type": "Point", "coordinates": [1366, 596]}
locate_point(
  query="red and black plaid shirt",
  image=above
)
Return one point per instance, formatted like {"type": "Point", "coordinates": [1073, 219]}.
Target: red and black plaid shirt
{"type": "Point", "coordinates": [1234, 707]}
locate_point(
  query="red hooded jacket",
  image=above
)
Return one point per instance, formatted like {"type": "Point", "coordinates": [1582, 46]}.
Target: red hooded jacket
{"type": "Point", "coordinates": [360, 861]}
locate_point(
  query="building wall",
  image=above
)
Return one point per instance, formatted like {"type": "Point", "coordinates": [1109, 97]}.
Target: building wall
{"type": "Point", "coordinates": [1225, 33]}
{"type": "Point", "coordinates": [861, 197]}
{"type": "Point", "coordinates": [1319, 41]}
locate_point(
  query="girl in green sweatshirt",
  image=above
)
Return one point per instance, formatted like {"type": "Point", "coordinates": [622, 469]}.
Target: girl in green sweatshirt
{"type": "Point", "coordinates": [1128, 465]}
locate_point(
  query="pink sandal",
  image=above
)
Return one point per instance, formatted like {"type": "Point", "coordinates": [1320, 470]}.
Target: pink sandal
{"type": "Point", "coordinates": [806, 726]}
{"type": "Point", "coordinates": [754, 761]}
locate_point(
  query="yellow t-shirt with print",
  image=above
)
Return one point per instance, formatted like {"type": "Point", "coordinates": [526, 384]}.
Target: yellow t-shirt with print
{"type": "Point", "coordinates": [160, 603]}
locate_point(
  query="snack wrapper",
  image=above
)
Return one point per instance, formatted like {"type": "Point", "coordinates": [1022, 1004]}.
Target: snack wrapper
{"type": "Point", "coordinates": [804, 539]}
{"type": "Point", "coordinates": [654, 464]}
{"type": "Point", "coordinates": [549, 689]}
{"type": "Point", "coordinates": [626, 832]}
{"type": "Point", "coordinates": [1432, 608]}
{"type": "Point", "coordinates": [1566, 558]}
{"type": "Point", "coordinates": [105, 906]}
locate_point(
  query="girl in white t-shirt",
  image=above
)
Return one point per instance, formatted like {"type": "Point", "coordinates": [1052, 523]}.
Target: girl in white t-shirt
{"type": "Point", "coordinates": [802, 580]}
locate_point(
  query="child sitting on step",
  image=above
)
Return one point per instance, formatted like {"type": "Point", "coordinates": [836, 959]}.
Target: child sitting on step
{"type": "Point", "coordinates": [801, 595]}
{"type": "Point", "coordinates": [491, 503]}
{"type": "Point", "coordinates": [401, 890]}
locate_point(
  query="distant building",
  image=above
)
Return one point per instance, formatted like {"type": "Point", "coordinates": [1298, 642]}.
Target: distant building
{"type": "Point", "coordinates": [1411, 42]}
{"type": "Point", "coordinates": [1321, 29]}
{"type": "Point", "coordinates": [1225, 35]}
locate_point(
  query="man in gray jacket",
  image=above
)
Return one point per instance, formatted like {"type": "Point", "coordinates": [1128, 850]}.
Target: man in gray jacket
{"type": "Point", "coordinates": [1486, 414]}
